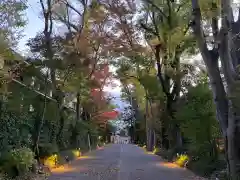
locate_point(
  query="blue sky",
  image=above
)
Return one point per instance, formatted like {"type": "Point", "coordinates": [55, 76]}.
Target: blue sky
{"type": "Point", "coordinates": [36, 24]}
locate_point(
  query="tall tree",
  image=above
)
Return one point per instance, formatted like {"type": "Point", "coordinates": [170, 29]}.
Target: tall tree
{"type": "Point", "coordinates": [139, 72]}
{"type": "Point", "coordinates": [198, 125]}
{"type": "Point", "coordinates": [166, 25]}
{"type": "Point", "coordinates": [12, 20]}
{"type": "Point", "coordinates": [224, 47]}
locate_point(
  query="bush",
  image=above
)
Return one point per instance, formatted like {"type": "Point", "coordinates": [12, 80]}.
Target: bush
{"type": "Point", "coordinates": [71, 154]}
{"type": "Point", "coordinates": [76, 153]}
{"type": "Point", "coordinates": [166, 154]}
{"type": "Point", "coordinates": [51, 161]}
{"type": "Point", "coordinates": [61, 158]}
{"type": "Point", "coordinates": [101, 143]}
{"type": "Point", "coordinates": [17, 161]}
{"type": "Point", "coordinates": [205, 167]}
{"type": "Point", "coordinates": [181, 160]}
{"type": "Point", "coordinates": [46, 150]}
{"type": "Point", "coordinates": [141, 144]}
{"type": "Point", "coordinates": [156, 150]}
{"type": "Point", "coordinates": [220, 174]}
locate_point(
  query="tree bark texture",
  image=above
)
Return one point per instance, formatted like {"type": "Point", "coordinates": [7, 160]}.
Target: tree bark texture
{"type": "Point", "coordinates": [78, 107]}
{"type": "Point", "coordinates": [226, 45]}
{"type": "Point", "coordinates": [172, 96]}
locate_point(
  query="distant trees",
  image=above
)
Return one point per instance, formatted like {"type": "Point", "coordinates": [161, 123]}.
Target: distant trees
{"type": "Point", "coordinates": [46, 94]}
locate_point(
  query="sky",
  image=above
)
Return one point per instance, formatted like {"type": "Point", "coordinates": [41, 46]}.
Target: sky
{"type": "Point", "coordinates": [35, 24]}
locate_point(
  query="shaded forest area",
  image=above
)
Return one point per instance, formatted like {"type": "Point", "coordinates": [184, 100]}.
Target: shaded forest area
{"type": "Point", "coordinates": [178, 62]}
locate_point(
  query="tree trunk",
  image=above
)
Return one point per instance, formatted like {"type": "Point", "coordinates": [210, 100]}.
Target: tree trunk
{"type": "Point", "coordinates": [176, 137]}
{"type": "Point", "coordinates": [148, 139]}
{"type": "Point", "coordinates": [41, 123]}
{"type": "Point", "coordinates": [147, 125]}
{"type": "Point", "coordinates": [171, 95]}
{"type": "Point", "coordinates": [226, 108]}
{"type": "Point", "coordinates": [60, 108]}
{"type": "Point", "coordinates": [89, 141]}
{"type": "Point", "coordinates": [233, 144]}
{"type": "Point", "coordinates": [61, 127]}
{"type": "Point", "coordinates": [164, 132]}
{"type": "Point", "coordinates": [167, 117]}
{"type": "Point", "coordinates": [1, 106]}
{"type": "Point", "coordinates": [78, 107]}
{"type": "Point", "coordinates": [154, 138]}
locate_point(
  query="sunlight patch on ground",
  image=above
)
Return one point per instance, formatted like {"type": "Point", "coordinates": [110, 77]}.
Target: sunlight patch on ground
{"type": "Point", "coordinates": [85, 157]}
{"type": "Point", "coordinates": [148, 152]}
{"type": "Point", "coordinates": [63, 169]}
{"type": "Point", "coordinates": [168, 165]}
{"type": "Point", "coordinates": [68, 168]}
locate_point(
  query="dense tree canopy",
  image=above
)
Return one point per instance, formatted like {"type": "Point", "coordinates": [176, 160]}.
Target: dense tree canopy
{"type": "Point", "coordinates": [54, 100]}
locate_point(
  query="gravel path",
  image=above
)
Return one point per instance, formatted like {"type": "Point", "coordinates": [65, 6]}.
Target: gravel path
{"type": "Point", "coordinates": [121, 162]}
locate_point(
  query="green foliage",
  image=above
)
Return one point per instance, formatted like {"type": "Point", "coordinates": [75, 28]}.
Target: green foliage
{"type": "Point", "coordinates": [166, 154]}
{"type": "Point", "coordinates": [197, 120]}
{"type": "Point", "coordinates": [156, 150]}
{"type": "Point", "coordinates": [171, 32]}
{"type": "Point", "coordinates": [57, 124]}
{"type": "Point", "coordinates": [47, 149]}
{"type": "Point", "coordinates": [182, 160]}
{"type": "Point", "coordinates": [12, 18]}
{"type": "Point", "coordinates": [205, 167]}
{"type": "Point", "coordinates": [17, 161]}
{"type": "Point", "coordinates": [70, 154]}
{"type": "Point", "coordinates": [15, 130]}
{"type": "Point", "coordinates": [51, 161]}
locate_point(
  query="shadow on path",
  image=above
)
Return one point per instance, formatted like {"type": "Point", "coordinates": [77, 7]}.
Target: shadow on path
{"type": "Point", "coordinates": [121, 162]}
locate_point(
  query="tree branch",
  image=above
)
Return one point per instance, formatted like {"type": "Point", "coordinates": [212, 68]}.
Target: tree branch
{"type": "Point", "coordinates": [73, 8]}
{"type": "Point", "coordinates": [214, 25]}
{"type": "Point", "coordinates": [180, 6]}
{"type": "Point", "coordinates": [159, 70]}
{"type": "Point", "coordinates": [159, 9]}
{"type": "Point", "coordinates": [155, 26]}
{"type": "Point", "coordinates": [238, 20]}
{"type": "Point", "coordinates": [148, 29]}
{"type": "Point", "coordinates": [67, 23]}
{"type": "Point", "coordinates": [169, 13]}
{"type": "Point", "coordinates": [211, 61]}
{"type": "Point", "coordinates": [227, 58]}
{"type": "Point", "coordinates": [95, 63]}
{"type": "Point", "coordinates": [198, 31]}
